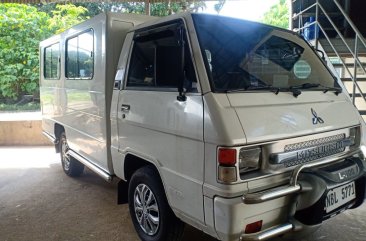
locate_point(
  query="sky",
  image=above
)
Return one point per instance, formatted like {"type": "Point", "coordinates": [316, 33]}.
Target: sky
{"type": "Point", "coordinates": [245, 9]}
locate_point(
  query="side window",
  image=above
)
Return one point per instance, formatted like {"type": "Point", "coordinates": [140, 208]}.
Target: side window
{"type": "Point", "coordinates": [156, 61]}
{"type": "Point", "coordinates": [80, 56]}
{"type": "Point", "coordinates": [51, 67]}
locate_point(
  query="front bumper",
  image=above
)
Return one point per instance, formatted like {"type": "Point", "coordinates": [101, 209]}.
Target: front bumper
{"type": "Point", "coordinates": [286, 209]}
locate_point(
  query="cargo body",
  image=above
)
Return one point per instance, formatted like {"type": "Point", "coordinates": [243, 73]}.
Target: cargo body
{"type": "Point", "coordinates": [234, 127]}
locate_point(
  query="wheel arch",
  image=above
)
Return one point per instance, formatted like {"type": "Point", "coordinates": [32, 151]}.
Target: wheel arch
{"type": "Point", "coordinates": [132, 163]}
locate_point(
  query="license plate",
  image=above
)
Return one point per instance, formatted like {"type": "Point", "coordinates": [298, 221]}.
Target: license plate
{"type": "Point", "coordinates": [339, 196]}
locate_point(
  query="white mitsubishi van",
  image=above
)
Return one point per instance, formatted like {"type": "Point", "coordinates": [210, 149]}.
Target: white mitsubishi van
{"type": "Point", "coordinates": [234, 127]}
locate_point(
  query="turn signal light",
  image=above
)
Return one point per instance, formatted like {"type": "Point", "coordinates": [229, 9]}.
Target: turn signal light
{"type": "Point", "coordinates": [254, 227]}
{"type": "Point", "coordinates": [227, 174]}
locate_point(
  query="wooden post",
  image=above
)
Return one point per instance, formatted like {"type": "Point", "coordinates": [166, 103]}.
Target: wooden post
{"type": "Point", "coordinates": [147, 7]}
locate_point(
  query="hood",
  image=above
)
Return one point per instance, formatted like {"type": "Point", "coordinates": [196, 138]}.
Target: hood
{"type": "Point", "coordinates": [266, 116]}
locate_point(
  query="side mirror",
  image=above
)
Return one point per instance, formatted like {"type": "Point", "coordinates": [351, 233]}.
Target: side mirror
{"type": "Point", "coordinates": [322, 55]}
{"type": "Point", "coordinates": [181, 97]}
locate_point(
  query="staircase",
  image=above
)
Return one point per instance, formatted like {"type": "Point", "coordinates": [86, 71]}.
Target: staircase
{"type": "Point", "coordinates": [328, 26]}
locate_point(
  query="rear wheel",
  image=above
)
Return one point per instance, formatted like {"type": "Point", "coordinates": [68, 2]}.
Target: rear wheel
{"type": "Point", "coordinates": [150, 212]}
{"type": "Point", "coordinates": [71, 167]}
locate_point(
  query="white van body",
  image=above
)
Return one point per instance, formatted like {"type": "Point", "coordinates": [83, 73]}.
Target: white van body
{"type": "Point", "coordinates": [247, 162]}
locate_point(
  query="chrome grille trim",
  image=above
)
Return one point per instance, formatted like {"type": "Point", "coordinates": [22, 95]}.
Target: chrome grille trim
{"type": "Point", "coordinates": [316, 142]}
{"type": "Point", "coordinates": [304, 155]}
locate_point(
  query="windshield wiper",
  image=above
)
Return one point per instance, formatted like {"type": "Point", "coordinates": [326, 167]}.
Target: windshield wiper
{"type": "Point", "coordinates": [295, 89]}
{"type": "Point", "coordinates": [337, 90]}
{"type": "Point", "coordinates": [275, 90]}
{"type": "Point", "coordinates": [325, 89]}
{"type": "Point", "coordinates": [304, 86]}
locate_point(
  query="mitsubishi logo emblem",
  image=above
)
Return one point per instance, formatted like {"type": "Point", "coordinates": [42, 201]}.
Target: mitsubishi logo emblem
{"type": "Point", "coordinates": [316, 118]}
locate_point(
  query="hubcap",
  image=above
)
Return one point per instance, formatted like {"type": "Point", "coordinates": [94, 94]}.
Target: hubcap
{"type": "Point", "coordinates": [146, 209]}
{"type": "Point", "coordinates": [65, 157]}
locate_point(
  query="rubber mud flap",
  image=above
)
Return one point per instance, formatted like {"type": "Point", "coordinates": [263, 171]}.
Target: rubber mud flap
{"type": "Point", "coordinates": [122, 192]}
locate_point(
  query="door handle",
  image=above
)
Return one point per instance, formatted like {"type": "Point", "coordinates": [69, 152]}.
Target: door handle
{"type": "Point", "coordinates": [125, 108]}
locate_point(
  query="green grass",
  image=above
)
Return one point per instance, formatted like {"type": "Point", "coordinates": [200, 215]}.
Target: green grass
{"type": "Point", "coordinates": [31, 106]}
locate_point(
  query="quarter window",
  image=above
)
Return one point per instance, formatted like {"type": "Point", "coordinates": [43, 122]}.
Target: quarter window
{"type": "Point", "coordinates": [80, 56]}
{"type": "Point", "coordinates": [52, 62]}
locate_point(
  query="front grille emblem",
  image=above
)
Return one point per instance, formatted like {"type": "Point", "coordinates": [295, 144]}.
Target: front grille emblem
{"type": "Point", "coordinates": [316, 118]}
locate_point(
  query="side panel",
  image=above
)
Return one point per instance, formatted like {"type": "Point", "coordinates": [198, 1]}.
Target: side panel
{"type": "Point", "coordinates": [84, 117]}
{"type": "Point", "coordinates": [76, 98]}
{"type": "Point", "coordinates": [156, 126]}
{"type": "Point", "coordinates": [171, 134]}
{"type": "Point", "coordinates": [79, 99]}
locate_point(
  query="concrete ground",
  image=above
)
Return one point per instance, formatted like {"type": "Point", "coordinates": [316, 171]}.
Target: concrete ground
{"type": "Point", "coordinates": [38, 202]}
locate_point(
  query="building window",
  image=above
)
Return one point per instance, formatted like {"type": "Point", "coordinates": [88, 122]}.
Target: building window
{"type": "Point", "coordinates": [52, 62]}
{"type": "Point", "coordinates": [80, 56]}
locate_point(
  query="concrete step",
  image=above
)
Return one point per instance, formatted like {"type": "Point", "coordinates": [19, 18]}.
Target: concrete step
{"type": "Point", "coordinates": [349, 86]}
{"type": "Point", "coordinates": [360, 103]}
{"type": "Point", "coordinates": [22, 129]}
{"type": "Point", "coordinates": [341, 48]}
{"type": "Point", "coordinates": [359, 80]}
{"type": "Point", "coordinates": [348, 65]}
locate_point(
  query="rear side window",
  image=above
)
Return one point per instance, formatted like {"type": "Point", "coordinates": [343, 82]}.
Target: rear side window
{"type": "Point", "coordinates": [80, 56]}
{"type": "Point", "coordinates": [51, 68]}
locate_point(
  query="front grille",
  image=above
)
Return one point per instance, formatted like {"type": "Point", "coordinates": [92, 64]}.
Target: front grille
{"type": "Point", "coordinates": [316, 142]}
{"type": "Point", "coordinates": [302, 152]}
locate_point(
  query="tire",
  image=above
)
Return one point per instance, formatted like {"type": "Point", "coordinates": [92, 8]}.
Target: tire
{"type": "Point", "coordinates": [71, 167]}
{"type": "Point", "coordinates": [148, 203]}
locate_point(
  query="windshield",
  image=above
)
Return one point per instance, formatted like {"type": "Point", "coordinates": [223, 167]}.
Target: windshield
{"type": "Point", "coordinates": [243, 55]}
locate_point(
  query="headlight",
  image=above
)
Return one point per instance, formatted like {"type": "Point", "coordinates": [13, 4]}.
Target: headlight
{"type": "Point", "coordinates": [355, 136]}
{"type": "Point", "coordinates": [249, 159]}
{"type": "Point", "coordinates": [363, 152]}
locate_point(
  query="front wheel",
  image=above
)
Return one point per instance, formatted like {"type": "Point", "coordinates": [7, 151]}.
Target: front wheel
{"type": "Point", "coordinates": [150, 212]}
{"type": "Point", "coordinates": [71, 167]}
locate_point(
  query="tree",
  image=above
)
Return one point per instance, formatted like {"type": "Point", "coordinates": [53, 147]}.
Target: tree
{"type": "Point", "coordinates": [168, 8]}
{"type": "Point", "coordinates": [22, 28]}
{"type": "Point", "coordinates": [157, 9]}
{"type": "Point", "coordinates": [66, 16]}
{"type": "Point", "coordinates": [218, 6]}
{"type": "Point", "coordinates": [278, 15]}
{"type": "Point", "coordinates": [94, 8]}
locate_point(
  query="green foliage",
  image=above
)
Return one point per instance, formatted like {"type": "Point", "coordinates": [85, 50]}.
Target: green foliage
{"type": "Point", "coordinates": [95, 8]}
{"type": "Point", "coordinates": [66, 16]}
{"type": "Point", "coordinates": [165, 9]}
{"type": "Point", "coordinates": [278, 15]}
{"type": "Point", "coordinates": [22, 27]}
{"type": "Point", "coordinates": [218, 6]}
{"type": "Point", "coordinates": [14, 107]}
{"type": "Point", "coordinates": [157, 9]}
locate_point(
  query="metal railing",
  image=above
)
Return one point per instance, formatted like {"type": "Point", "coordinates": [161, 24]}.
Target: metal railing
{"type": "Point", "coordinates": [359, 40]}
